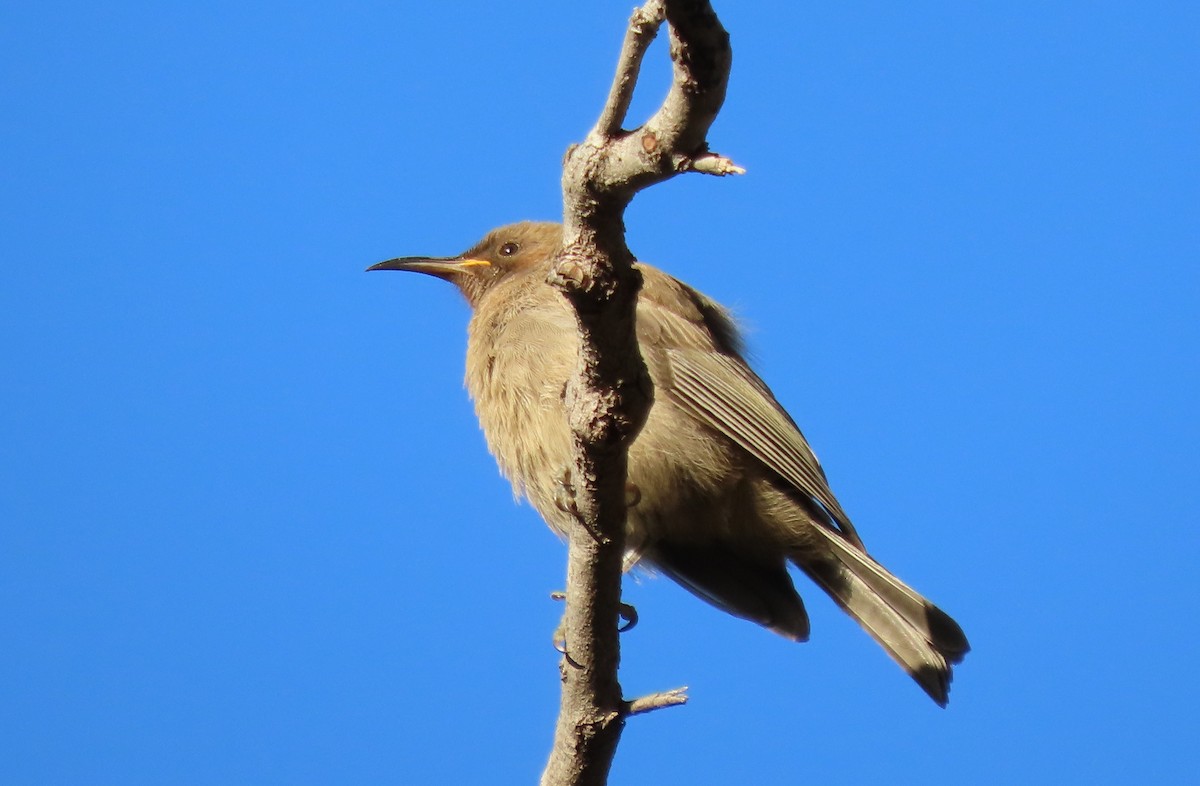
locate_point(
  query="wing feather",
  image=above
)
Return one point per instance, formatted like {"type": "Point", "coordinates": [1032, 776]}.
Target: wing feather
{"type": "Point", "coordinates": [703, 372]}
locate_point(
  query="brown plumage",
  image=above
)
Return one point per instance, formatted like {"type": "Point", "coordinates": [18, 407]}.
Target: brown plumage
{"type": "Point", "coordinates": [728, 490]}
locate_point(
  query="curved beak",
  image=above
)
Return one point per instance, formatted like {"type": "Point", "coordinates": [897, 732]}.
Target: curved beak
{"type": "Point", "coordinates": [434, 266]}
{"type": "Point", "coordinates": [442, 267]}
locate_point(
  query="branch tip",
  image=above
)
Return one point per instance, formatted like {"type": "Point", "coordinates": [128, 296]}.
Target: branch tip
{"type": "Point", "coordinates": [714, 164]}
{"type": "Point", "coordinates": [656, 701]}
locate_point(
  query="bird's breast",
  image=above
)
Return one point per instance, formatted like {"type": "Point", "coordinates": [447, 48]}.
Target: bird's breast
{"type": "Point", "coordinates": [685, 481]}
{"type": "Point", "coordinates": [518, 364]}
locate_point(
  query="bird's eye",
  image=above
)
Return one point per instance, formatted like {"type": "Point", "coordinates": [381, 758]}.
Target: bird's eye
{"type": "Point", "coordinates": [508, 249]}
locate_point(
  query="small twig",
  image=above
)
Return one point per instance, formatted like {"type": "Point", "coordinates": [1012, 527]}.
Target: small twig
{"type": "Point", "coordinates": [643, 28]}
{"type": "Point", "coordinates": [656, 701]}
{"type": "Point", "coordinates": [713, 164]}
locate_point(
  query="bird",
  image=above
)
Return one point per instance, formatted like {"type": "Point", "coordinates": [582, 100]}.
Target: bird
{"type": "Point", "coordinates": [726, 491]}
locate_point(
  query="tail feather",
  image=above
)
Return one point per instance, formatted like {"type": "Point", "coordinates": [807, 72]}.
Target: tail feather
{"type": "Point", "coordinates": [919, 636]}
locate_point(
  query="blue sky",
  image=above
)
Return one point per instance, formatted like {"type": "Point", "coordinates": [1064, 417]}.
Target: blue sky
{"type": "Point", "coordinates": [249, 532]}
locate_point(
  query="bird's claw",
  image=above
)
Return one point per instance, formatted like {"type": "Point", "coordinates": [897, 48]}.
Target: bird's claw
{"type": "Point", "coordinates": [630, 616]}
{"type": "Point", "coordinates": [626, 611]}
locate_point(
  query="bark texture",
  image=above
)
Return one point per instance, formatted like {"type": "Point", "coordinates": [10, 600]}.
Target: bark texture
{"type": "Point", "coordinates": [611, 393]}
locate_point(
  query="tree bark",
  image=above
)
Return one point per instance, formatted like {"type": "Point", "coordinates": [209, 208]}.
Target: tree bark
{"type": "Point", "coordinates": [611, 393]}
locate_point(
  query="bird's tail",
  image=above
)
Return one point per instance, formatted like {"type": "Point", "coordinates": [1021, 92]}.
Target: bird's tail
{"type": "Point", "coordinates": [922, 638]}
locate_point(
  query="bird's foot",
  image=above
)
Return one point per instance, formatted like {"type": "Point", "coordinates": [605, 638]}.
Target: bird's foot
{"type": "Point", "coordinates": [626, 611]}
{"type": "Point", "coordinates": [564, 494]}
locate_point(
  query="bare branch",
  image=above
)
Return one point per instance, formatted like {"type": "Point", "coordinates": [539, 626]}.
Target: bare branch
{"type": "Point", "coordinates": [609, 398]}
{"type": "Point", "coordinates": [643, 27]}
{"type": "Point", "coordinates": [701, 56]}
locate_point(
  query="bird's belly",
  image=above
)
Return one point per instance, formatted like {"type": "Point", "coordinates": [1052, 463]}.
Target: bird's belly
{"type": "Point", "coordinates": [685, 482]}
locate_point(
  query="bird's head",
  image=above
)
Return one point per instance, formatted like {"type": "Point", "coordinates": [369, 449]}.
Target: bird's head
{"type": "Point", "coordinates": [502, 253]}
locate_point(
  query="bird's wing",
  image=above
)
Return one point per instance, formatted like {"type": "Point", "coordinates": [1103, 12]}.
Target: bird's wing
{"type": "Point", "coordinates": [724, 394]}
